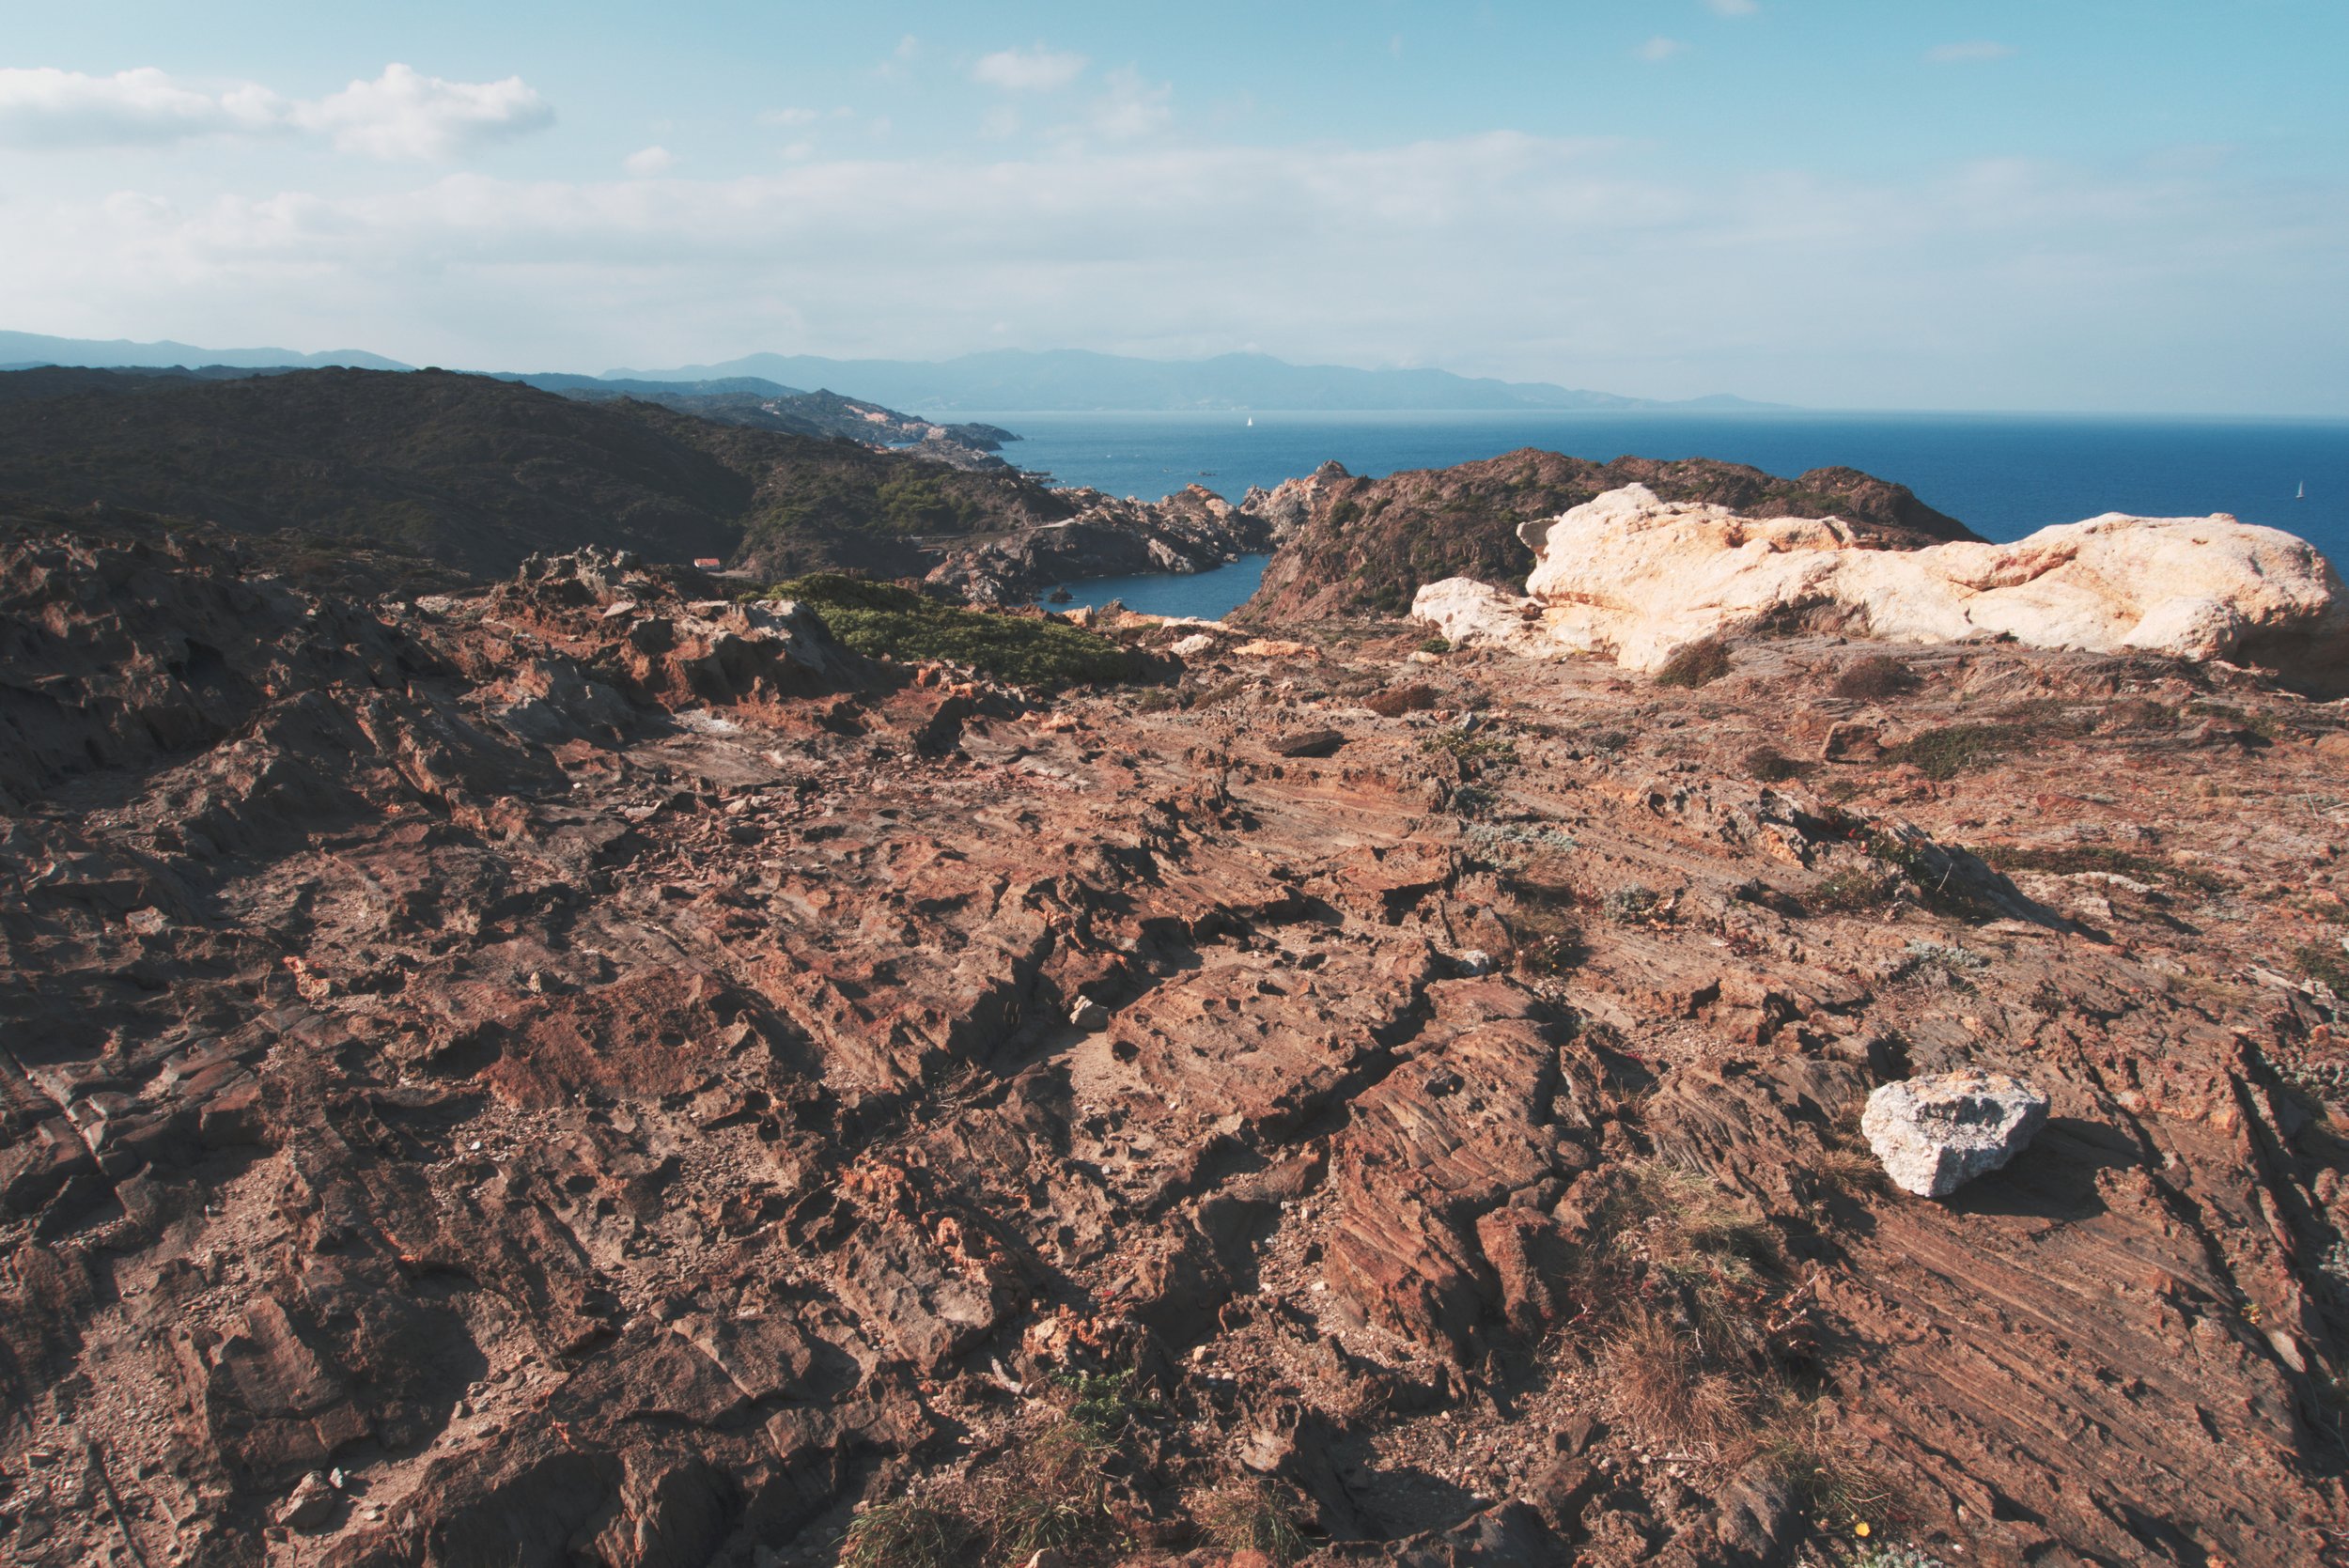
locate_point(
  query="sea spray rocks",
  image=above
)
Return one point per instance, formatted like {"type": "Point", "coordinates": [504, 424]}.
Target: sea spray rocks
{"type": "Point", "coordinates": [1935, 1134]}
{"type": "Point", "coordinates": [1638, 577]}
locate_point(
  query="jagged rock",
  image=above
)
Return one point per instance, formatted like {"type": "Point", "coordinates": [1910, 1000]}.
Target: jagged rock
{"type": "Point", "coordinates": [1935, 1134]}
{"type": "Point", "coordinates": [1639, 577]}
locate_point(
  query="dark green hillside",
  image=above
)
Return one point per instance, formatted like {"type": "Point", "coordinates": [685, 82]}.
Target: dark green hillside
{"type": "Point", "coordinates": [476, 474]}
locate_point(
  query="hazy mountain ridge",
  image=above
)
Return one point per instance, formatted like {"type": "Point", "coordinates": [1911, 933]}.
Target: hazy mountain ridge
{"type": "Point", "coordinates": [999, 381]}
{"type": "Point", "coordinates": [22, 351]}
{"type": "Point", "coordinates": [1016, 380]}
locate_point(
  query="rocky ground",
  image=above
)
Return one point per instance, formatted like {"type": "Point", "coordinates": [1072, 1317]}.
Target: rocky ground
{"type": "Point", "coordinates": [589, 1072]}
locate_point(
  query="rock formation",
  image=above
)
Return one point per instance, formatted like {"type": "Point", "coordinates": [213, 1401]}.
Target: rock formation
{"type": "Point", "coordinates": [1638, 578]}
{"type": "Point", "coordinates": [580, 1071]}
{"type": "Point", "coordinates": [1190, 531]}
{"type": "Point", "coordinates": [1350, 546]}
{"type": "Point", "coordinates": [1935, 1134]}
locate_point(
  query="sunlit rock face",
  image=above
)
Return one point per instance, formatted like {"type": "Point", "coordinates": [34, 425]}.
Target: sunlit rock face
{"type": "Point", "coordinates": [1636, 578]}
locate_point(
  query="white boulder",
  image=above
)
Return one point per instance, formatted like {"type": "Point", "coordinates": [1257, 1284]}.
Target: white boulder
{"type": "Point", "coordinates": [1935, 1134]}
{"type": "Point", "coordinates": [1637, 578]}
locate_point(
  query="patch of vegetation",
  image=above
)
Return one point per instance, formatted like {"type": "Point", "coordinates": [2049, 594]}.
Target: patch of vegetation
{"type": "Point", "coordinates": [1683, 1268]}
{"type": "Point", "coordinates": [1633, 905]}
{"type": "Point", "coordinates": [1395, 701]}
{"type": "Point", "coordinates": [2328, 966]}
{"type": "Point", "coordinates": [1853, 890]}
{"type": "Point", "coordinates": [2073, 860]}
{"type": "Point", "coordinates": [1252, 1516]}
{"type": "Point", "coordinates": [1545, 929]}
{"type": "Point", "coordinates": [1875, 678]}
{"type": "Point", "coordinates": [1435, 645]}
{"type": "Point", "coordinates": [882, 620]}
{"type": "Point", "coordinates": [1471, 746]}
{"type": "Point", "coordinates": [1697, 663]}
{"type": "Point", "coordinates": [1060, 1498]}
{"type": "Point", "coordinates": [1944, 753]}
{"type": "Point", "coordinates": [1940, 879]}
{"type": "Point", "coordinates": [1769, 765]}
{"type": "Point", "coordinates": [2258, 725]}
{"type": "Point", "coordinates": [906, 1533]}
{"type": "Point", "coordinates": [1951, 961]}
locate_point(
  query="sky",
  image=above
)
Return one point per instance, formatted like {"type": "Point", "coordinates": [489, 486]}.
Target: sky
{"type": "Point", "coordinates": [2001, 203]}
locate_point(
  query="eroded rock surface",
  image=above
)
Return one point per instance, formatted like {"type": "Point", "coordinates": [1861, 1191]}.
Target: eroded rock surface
{"type": "Point", "coordinates": [617, 1080]}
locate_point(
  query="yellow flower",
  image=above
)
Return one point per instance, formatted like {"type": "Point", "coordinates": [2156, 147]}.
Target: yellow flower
{"type": "Point", "coordinates": [1860, 1529]}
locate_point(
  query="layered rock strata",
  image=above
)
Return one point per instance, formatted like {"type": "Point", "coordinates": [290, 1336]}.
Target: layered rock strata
{"type": "Point", "coordinates": [587, 1072]}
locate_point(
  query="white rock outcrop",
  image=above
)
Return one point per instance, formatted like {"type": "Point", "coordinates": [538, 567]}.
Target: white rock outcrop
{"type": "Point", "coordinates": [1935, 1134]}
{"type": "Point", "coordinates": [1637, 578]}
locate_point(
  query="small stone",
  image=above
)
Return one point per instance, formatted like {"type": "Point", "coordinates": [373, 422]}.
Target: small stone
{"type": "Point", "coordinates": [308, 1505]}
{"type": "Point", "coordinates": [1088, 1015]}
{"type": "Point", "coordinates": [1475, 961]}
{"type": "Point", "coordinates": [1935, 1134]}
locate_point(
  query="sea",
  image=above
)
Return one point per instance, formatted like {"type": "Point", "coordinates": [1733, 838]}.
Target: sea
{"type": "Point", "coordinates": [2003, 475]}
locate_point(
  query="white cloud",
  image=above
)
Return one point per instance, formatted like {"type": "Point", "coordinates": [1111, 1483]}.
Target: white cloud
{"type": "Point", "coordinates": [649, 161]}
{"type": "Point", "coordinates": [2013, 280]}
{"type": "Point", "coordinates": [1659, 49]}
{"type": "Point", "coordinates": [1732, 8]}
{"type": "Point", "coordinates": [404, 114]}
{"type": "Point", "coordinates": [399, 115]}
{"type": "Point", "coordinates": [1972, 53]}
{"type": "Point", "coordinates": [48, 108]}
{"type": "Point", "coordinates": [789, 116]}
{"type": "Point", "coordinates": [1132, 107]}
{"type": "Point", "coordinates": [1028, 70]}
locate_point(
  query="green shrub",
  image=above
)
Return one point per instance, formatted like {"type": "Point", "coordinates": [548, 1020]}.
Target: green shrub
{"type": "Point", "coordinates": [881, 620]}
{"type": "Point", "coordinates": [1944, 753]}
{"type": "Point", "coordinates": [2328, 966]}
{"type": "Point", "coordinates": [1875, 676]}
{"type": "Point", "coordinates": [1854, 890]}
{"type": "Point", "coordinates": [1435, 645]}
{"type": "Point", "coordinates": [908, 1534]}
{"type": "Point", "coordinates": [1698, 663]}
{"type": "Point", "coordinates": [1251, 1516]}
{"type": "Point", "coordinates": [1769, 765]}
{"type": "Point", "coordinates": [2071, 860]}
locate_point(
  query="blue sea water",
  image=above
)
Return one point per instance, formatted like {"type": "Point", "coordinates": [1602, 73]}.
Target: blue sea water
{"type": "Point", "coordinates": [2001, 475]}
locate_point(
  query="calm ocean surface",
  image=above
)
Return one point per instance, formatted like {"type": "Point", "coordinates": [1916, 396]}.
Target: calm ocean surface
{"type": "Point", "coordinates": [2001, 475]}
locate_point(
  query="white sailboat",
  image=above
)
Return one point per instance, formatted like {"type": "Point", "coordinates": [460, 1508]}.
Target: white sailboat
{"type": "Point", "coordinates": [2301, 494]}
{"type": "Point", "coordinates": [1251, 424]}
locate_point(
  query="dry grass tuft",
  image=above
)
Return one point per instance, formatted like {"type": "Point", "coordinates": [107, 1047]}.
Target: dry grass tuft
{"type": "Point", "coordinates": [1252, 1516]}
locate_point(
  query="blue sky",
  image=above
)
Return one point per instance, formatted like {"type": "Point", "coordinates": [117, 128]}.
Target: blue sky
{"type": "Point", "coordinates": [2074, 205]}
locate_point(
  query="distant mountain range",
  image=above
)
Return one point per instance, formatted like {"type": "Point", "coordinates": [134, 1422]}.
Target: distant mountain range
{"type": "Point", "coordinates": [1012, 380]}
{"type": "Point", "coordinates": [1007, 381]}
{"type": "Point", "coordinates": [22, 351]}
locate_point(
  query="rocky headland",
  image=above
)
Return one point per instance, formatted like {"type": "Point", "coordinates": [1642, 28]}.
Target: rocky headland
{"type": "Point", "coordinates": [581, 1069]}
{"type": "Point", "coordinates": [1354, 546]}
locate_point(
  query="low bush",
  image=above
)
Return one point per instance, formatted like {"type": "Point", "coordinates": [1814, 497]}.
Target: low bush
{"type": "Point", "coordinates": [1252, 1516]}
{"type": "Point", "coordinates": [1545, 929]}
{"type": "Point", "coordinates": [1769, 765]}
{"type": "Point", "coordinates": [1633, 905]}
{"type": "Point", "coordinates": [1435, 645]}
{"type": "Point", "coordinates": [1875, 678]}
{"type": "Point", "coordinates": [881, 620]}
{"type": "Point", "coordinates": [1697, 663]}
{"type": "Point", "coordinates": [1944, 753]}
{"type": "Point", "coordinates": [1395, 701]}
{"type": "Point", "coordinates": [1853, 890]}
{"type": "Point", "coordinates": [2328, 966]}
{"type": "Point", "coordinates": [2073, 859]}
{"type": "Point", "coordinates": [905, 1534]}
